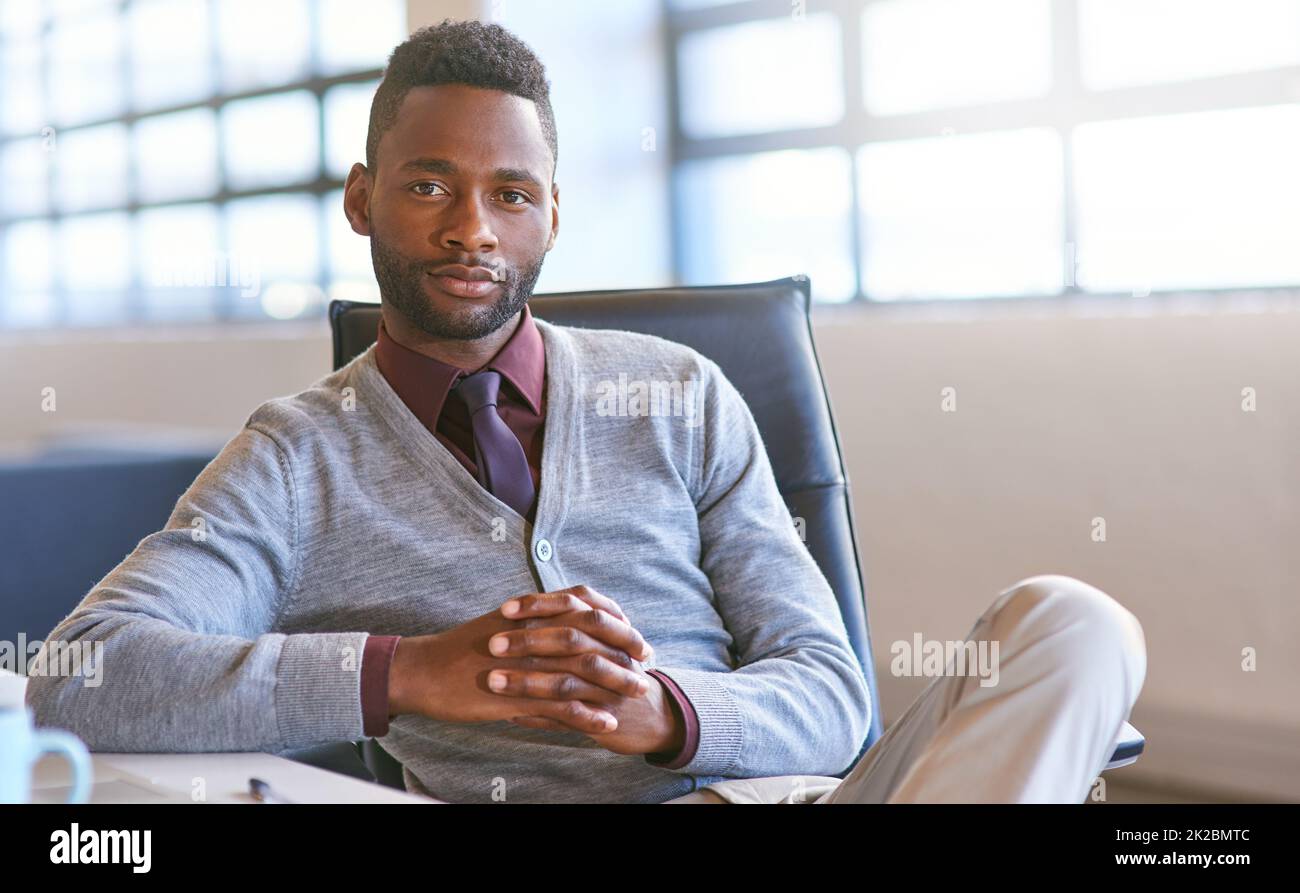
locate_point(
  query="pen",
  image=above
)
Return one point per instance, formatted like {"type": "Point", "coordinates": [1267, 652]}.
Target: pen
{"type": "Point", "coordinates": [263, 793]}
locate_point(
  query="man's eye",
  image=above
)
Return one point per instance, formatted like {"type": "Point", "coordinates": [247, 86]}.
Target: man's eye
{"type": "Point", "coordinates": [518, 193]}
{"type": "Point", "coordinates": [420, 187]}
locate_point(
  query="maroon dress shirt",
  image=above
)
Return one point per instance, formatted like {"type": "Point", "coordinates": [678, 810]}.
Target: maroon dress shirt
{"type": "Point", "coordinates": [424, 385]}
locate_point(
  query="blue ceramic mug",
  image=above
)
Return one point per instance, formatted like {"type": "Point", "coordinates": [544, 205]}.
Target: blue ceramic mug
{"type": "Point", "coordinates": [22, 744]}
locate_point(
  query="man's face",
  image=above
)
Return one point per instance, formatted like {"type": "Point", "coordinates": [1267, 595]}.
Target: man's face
{"type": "Point", "coordinates": [463, 177]}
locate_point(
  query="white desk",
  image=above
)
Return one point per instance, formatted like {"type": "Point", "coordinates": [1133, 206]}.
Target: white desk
{"type": "Point", "coordinates": [170, 778]}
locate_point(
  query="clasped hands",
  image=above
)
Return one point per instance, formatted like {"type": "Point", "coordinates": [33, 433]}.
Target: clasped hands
{"type": "Point", "coordinates": [567, 660]}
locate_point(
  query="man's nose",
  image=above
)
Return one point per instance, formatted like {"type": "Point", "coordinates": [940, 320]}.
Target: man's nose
{"type": "Point", "coordinates": [466, 226]}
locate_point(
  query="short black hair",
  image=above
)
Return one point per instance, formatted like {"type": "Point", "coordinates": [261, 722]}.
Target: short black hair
{"type": "Point", "coordinates": [461, 52]}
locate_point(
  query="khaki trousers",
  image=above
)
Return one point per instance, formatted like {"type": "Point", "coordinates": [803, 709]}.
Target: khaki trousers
{"type": "Point", "coordinates": [1070, 664]}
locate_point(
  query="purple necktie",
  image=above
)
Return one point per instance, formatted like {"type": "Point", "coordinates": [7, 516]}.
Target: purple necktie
{"type": "Point", "coordinates": [502, 465]}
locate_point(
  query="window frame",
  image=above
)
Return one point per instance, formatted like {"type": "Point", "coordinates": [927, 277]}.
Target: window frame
{"type": "Point", "coordinates": [1066, 105]}
{"type": "Point", "coordinates": [225, 309]}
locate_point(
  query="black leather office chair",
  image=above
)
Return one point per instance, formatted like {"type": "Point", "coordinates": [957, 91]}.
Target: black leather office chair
{"type": "Point", "coordinates": [760, 334]}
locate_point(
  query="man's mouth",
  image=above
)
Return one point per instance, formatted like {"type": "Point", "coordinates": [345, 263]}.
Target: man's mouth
{"type": "Point", "coordinates": [467, 282]}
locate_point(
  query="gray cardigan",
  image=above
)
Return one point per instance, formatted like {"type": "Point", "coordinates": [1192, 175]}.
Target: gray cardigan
{"type": "Point", "coordinates": [333, 514]}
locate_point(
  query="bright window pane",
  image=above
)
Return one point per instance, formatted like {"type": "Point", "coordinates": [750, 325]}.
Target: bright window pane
{"type": "Point", "coordinates": [181, 262]}
{"type": "Point", "coordinates": [347, 117]}
{"type": "Point", "coordinates": [91, 168]}
{"type": "Point", "coordinates": [352, 274]}
{"type": "Point", "coordinates": [271, 140]}
{"type": "Point", "coordinates": [176, 155]}
{"type": "Point", "coordinates": [28, 261]}
{"type": "Point", "coordinates": [767, 216]}
{"type": "Point", "coordinates": [962, 216]}
{"type": "Point", "coordinates": [1189, 201]}
{"type": "Point", "coordinates": [19, 19]}
{"type": "Point", "coordinates": [86, 68]}
{"type": "Point", "coordinates": [264, 44]}
{"type": "Point", "coordinates": [350, 42]}
{"type": "Point", "coordinates": [760, 76]}
{"type": "Point", "coordinates": [95, 266]}
{"type": "Point", "coordinates": [171, 53]}
{"type": "Point", "coordinates": [353, 290]}
{"type": "Point", "coordinates": [1125, 42]}
{"type": "Point", "coordinates": [28, 310]}
{"type": "Point", "coordinates": [292, 299]}
{"type": "Point", "coordinates": [349, 252]}
{"type": "Point", "coordinates": [26, 297]}
{"type": "Point", "coordinates": [279, 233]}
{"type": "Point", "coordinates": [21, 110]}
{"type": "Point", "coordinates": [276, 241]}
{"type": "Point", "coordinates": [26, 165]}
{"type": "Point", "coordinates": [67, 8]}
{"type": "Point", "coordinates": [928, 54]}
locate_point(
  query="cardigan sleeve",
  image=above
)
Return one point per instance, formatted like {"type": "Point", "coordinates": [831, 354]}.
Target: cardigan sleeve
{"type": "Point", "coordinates": [796, 701]}
{"type": "Point", "coordinates": [184, 629]}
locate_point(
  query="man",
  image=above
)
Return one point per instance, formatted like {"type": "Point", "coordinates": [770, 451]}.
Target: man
{"type": "Point", "coordinates": [449, 544]}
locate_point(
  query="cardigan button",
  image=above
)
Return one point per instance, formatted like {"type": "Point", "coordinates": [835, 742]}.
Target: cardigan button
{"type": "Point", "coordinates": [543, 550]}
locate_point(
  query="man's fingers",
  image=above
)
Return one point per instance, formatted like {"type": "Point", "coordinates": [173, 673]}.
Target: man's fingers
{"type": "Point", "coordinates": [593, 678]}
{"type": "Point", "coordinates": [612, 676]}
{"type": "Point", "coordinates": [614, 632]}
{"type": "Point", "coordinates": [577, 716]}
{"type": "Point", "coordinates": [548, 604]}
{"type": "Point", "coordinates": [596, 600]}
{"type": "Point", "coordinates": [540, 722]}
{"type": "Point", "coordinates": [590, 631]}
{"type": "Point", "coordinates": [555, 686]}
{"type": "Point", "coordinates": [543, 604]}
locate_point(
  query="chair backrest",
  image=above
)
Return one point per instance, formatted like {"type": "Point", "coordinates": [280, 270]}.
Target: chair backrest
{"type": "Point", "coordinates": [760, 335]}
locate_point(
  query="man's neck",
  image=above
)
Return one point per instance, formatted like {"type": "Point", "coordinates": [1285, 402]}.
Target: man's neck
{"type": "Point", "coordinates": [464, 354]}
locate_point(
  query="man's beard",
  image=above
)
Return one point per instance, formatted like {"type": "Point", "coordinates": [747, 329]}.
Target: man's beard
{"type": "Point", "coordinates": [401, 284]}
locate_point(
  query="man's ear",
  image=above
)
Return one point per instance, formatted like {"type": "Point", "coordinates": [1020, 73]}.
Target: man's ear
{"type": "Point", "coordinates": [356, 199]}
{"type": "Point", "coordinates": [555, 215]}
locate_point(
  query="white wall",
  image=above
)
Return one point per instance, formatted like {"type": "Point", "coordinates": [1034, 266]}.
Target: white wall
{"type": "Point", "coordinates": [1060, 420]}
{"type": "Point", "coordinates": [195, 384]}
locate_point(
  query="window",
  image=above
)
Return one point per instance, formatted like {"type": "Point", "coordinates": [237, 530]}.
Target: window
{"type": "Point", "coordinates": [762, 75]}
{"type": "Point", "coordinates": [949, 216]}
{"type": "Point", "coordinates": [912, 149]}
{"type": "Point", "coordinates": [182, 160]}
{"type": "Point", "coordinates": [759, 216]}
{"type": "Point", "coordinates": [1152, 219]}
{"type": "Point", "coordinates": [1125, 43]}
{"type": "Point", "coordinates": [983, 51]}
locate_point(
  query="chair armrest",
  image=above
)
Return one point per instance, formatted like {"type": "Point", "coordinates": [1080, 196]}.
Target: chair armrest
{"type": "Point", "coordinates": [1129, 744]}
{"type": "Point", "coordinates": [382, 765]}
{"type": "Point", "coordinates": [343, 757]}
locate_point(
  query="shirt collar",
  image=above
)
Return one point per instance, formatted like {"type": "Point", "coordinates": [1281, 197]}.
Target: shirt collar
{"type": "Point", "coordinates": [423, 383]}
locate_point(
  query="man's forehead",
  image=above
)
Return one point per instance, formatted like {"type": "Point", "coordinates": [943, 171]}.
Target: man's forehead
{"type": "Point", "coordinates": [501, 129]}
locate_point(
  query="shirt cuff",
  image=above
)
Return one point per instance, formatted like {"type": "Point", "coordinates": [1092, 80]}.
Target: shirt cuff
{"type": "Point", "coordinates": [376, 659]}
{"type": "Point", "coordinates": [721, 726]}
{"type": "Point", "coordinates": [686, 710]}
